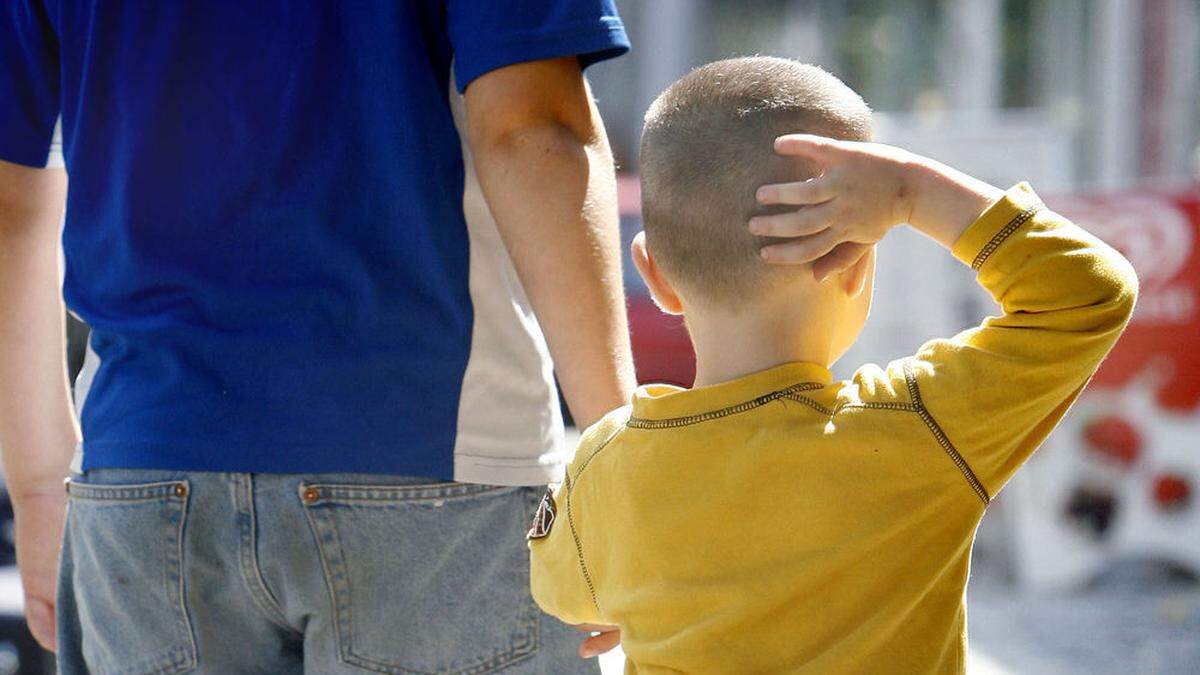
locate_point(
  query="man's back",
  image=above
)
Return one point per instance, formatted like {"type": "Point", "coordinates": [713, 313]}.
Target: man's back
{"type": "Point", "coordinates": [266, 231]}
{"type": "Point", "coordinates": [302, 299]}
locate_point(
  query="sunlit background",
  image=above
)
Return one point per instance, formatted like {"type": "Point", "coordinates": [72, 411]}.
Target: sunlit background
{"type": "Point", "coordinates": [1087, 562]}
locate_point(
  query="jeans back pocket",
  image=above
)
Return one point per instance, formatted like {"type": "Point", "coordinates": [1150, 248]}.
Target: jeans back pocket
{"type": "Point", "coordinates": [126, 544]}
{"type": "Point", "coordinates": [426, 578]}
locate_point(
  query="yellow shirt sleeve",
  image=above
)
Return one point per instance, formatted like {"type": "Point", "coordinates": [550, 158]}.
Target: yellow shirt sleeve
{"type": "Point", "coordinates": [992, 394]}
{"type": "Point", "coordinates": [556, 573]}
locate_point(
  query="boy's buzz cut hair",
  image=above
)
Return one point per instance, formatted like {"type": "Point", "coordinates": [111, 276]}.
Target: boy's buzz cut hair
{"type": "Point", "coordinates": [707, 146]}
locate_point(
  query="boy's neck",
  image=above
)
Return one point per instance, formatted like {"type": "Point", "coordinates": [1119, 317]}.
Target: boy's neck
{"type": "Point", "coordinates": [731, 345]}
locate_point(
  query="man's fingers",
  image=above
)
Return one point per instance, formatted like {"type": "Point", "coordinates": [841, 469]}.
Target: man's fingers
{"type": "Point", "coordinates": [806, 145]}
{"type": "Point", "coordinates": [815, 190]}
{"type": "Point", "coordinates": [801, 250]}
{"type": "Point", "coordinates": [799, 223]}
{"type": "Point", "coordinates": [39, 614]}
{"type": "Point", "coordinates": [839, 259]}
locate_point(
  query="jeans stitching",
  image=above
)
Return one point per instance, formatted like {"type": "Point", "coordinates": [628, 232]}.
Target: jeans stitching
{"type": "Point", "coordinates": [319, 536]}
{"type": "Point", "coordinates": [338, 581]}
{"type": "Point", "coordinates": [177, 659]}
{"type": "Point", "coordinates": [341, 584]}
{"type": "Point", "coordinates": [333, 492]}
{"type": "Point", "coordinates": [127, 493]}
{"type": "Point", "coordinates": [342, 578]}
{"type": "Point", "coordinates": [190, 658]}
{"type": "Point", "coordinates": [248, 555]}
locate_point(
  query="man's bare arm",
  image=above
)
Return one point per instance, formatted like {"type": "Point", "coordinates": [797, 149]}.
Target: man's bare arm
{"type": "Point", "coordinates": [547, 173]}
{"type": "Point", "coordinates": [38, 431]}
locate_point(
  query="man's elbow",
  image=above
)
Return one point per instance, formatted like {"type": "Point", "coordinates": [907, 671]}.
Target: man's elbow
{"type": "Point", "coordinates": [532, 139]}
{"type": "Point", "coordinates": [569, 123]}
{"type": "Point", "coordinates": [540, 107]}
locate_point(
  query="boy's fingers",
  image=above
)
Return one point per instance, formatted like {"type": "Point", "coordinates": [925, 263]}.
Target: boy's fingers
{"type": "Point", "coordinates": [800, 223]}
{"type": "Point", "coordinates": [599, 644]}
{"type": "Point", "coordinates": [607, 639]}
{"type": "Point", "coordinates": [801, 250]}
{"type": "Point", "coordinates": [594, 627]}
{"type": "Point", "coordinates": [807, 192]}
{"type": "Point", "coordinates": [841, 258]}
{"type": "Point", "coordinates": [805, 145]}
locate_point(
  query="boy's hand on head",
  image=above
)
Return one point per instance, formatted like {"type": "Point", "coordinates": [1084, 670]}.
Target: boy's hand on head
{"type": "Point", "coordinates": [863, 191]}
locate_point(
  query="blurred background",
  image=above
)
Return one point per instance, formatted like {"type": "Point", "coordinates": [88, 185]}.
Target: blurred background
{"type": "Point", "coordinates": [1088, 561]}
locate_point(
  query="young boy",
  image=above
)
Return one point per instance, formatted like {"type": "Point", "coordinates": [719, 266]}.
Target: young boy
{"type": "Point", "coordinates": [771, 519]}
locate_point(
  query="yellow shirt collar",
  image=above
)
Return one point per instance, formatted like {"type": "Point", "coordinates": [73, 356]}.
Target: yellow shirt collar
{"type": "Point", "coordinates": [665, 401]}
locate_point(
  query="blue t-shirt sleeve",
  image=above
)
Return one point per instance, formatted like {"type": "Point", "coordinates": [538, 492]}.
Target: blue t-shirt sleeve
{"type": "Point", "coordinates": [29, 82]}
{"type": "Point", "coordinates": [489, 34]}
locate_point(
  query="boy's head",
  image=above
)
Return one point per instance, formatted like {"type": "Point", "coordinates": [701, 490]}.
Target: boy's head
{"type": "Point", "coordinates": [707, 146]}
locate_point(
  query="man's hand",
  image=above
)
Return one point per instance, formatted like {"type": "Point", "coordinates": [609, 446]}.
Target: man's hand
{"type": "Point", "coordinates": [600, 639]}
{"type": "Point", "coordinates": [862, 192]}
{"type": "Point", "coordinates": [39, 527]}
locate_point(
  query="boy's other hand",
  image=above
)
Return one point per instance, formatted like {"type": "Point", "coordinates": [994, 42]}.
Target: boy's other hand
{"type": "Point", "coordinates": [600, 639]}
{"type": "Point", "coordinates": [863, 191]}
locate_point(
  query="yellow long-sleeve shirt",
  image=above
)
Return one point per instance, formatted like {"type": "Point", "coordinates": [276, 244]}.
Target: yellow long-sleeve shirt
{"type": "Point", "coordinates": [784, 522]}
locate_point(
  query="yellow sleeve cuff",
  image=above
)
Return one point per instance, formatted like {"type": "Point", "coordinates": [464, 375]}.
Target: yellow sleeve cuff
{"type": "Point", "coordinates": [999, 221]}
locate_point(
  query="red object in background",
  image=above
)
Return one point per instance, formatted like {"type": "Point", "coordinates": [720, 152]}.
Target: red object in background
{"type": "Point", "coordinates": [1114, 438]}
{"type": "Point", "coordinates": [1172, 491]}
{"type": "Point", "coordinates": [1159, 232]}
{"type": "Point", "coordinates": [662, 350]}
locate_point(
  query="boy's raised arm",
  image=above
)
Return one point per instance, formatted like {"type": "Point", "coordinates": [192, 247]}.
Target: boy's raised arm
{"type": "Point", "coordinates": [991, 394]}
{"type": "Point", "coordinates": [996, 391]}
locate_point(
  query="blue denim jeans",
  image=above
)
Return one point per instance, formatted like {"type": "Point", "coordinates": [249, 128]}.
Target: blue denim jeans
{"type": "Point", "coordinates": [191, 572]}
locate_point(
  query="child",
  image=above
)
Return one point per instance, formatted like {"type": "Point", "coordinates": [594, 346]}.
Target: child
{"type": "Point", "coordinates": [771, 519]}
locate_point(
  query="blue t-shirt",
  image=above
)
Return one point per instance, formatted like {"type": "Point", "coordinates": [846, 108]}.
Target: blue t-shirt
{"type": "Point", "coordinates": [265, 222]}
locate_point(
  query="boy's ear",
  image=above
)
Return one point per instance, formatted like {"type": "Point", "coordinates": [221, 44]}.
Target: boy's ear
{"type": "Point", "coordinates": [660, 290]}
{"type": "Point", "coordinates": [854, 279]}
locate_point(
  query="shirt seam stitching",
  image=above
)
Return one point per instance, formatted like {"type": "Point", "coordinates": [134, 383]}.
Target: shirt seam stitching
{"type": "Point", "coordinates": [568, 487]}
{"type": "Point", "coordinates": [943, 440]}
{"type": "Point", "coordinates": [587, 577]}
{"type": "Point", "coordinates": [868, 405]}
{"type": "Point", "coordinates": [1000, 237]}
{"type": "Point", "coordinates": [744, 406]}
